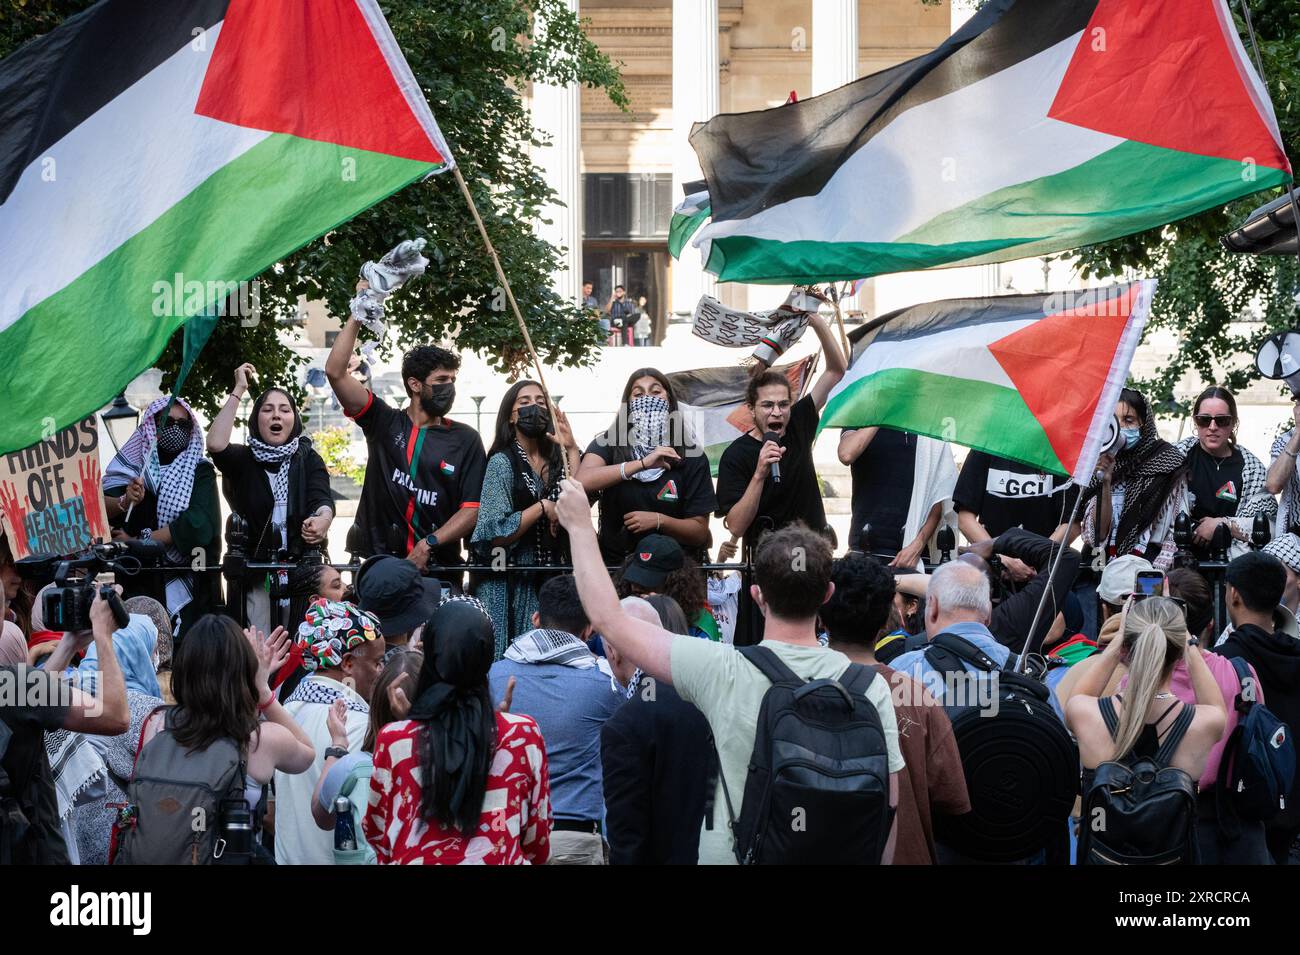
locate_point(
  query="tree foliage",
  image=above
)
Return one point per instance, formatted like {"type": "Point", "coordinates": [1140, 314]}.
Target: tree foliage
{"type": "Point", "coordinates": [471, 58]}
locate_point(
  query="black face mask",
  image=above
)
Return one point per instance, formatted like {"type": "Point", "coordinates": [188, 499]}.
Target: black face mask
{"type": "Point", "coordinates": [438, 400]}
{"type": "Point", "coordinates": [534, 420]}
{"type": "Point", "coordinates": [173, 438]}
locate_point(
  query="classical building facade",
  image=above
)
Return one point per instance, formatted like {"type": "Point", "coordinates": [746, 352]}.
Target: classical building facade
{"type": "Point", "coordinates": [621, 173]}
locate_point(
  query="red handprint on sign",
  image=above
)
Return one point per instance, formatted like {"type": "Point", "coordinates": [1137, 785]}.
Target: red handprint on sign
{"type": "Point", "coordinates": [13, 514]}
{"type": "Point", "coordinates": [93, 495]}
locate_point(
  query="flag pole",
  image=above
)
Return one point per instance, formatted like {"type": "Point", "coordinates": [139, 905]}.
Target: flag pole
{"type": "Point", "coordinates": [514, 306]}
{"type": "Point", "coordinates": [1047, 591]}
{"type": "Point", "coordinates": [839, 320]}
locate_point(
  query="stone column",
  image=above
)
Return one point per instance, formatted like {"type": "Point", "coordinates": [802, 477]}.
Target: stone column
{"type": "Point", "coordinates": [557, 110]}
{"type": "Point", "coordinates": [834, 44]}
{"type": "Point", "coordinates": [695, 99]}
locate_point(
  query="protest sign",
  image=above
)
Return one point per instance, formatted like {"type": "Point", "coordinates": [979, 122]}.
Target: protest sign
{"type": "Point", "coordinates": [51, 501]}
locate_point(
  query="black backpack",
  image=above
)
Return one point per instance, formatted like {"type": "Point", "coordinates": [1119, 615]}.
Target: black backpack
{"type": "Point", "coordinates": [1257, 769]}
{"type": "Point", "coordinates": [1020, 762]}
{"type": "Point", "coordinates": [1140, 811]}
{"type": "Point", "coordinates": [817, 791]}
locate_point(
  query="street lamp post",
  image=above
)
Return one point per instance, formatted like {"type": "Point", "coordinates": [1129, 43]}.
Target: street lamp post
{"type": "Point", "coordinates": [478, 412]}
{"type": "Point", "coordinates": [120, 416]}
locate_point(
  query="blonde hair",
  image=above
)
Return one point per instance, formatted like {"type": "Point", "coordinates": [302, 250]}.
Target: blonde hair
{"type": "Point", "coordinates": [1155, 639]}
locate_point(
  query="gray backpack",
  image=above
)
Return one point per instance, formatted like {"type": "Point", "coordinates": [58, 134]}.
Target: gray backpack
{"type": "Point", "coordinates": [175, 801]}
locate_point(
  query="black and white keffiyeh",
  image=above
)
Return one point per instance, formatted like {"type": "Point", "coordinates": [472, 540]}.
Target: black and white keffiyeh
{"type": "Point", "coordinates": [1286, 548]}
{"type": "Point", "coordinates": [278, 455]}
{"type": "Point", "coordinates": [1149, 471]}
{"type": "Point", "coordinates": [312, 690]}
{"type": "Point", "coordinates": [404, 261]}
{"type": "Point", "coordinates": [647, 429]}
{"type": "Point", "coordinates": [170, 484]}
{"type": "Point", "coordinates": [553, 646]}
{"type": "Point", "coordinates": [1254, 497]}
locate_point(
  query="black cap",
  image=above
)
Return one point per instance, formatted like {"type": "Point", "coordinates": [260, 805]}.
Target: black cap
{"type": "Point", "coordinates": [393, 590]}
{"type": "Point", "coordinates": [654, 558]}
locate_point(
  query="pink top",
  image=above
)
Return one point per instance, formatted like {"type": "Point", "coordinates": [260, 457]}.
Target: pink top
{"type": "Point", "coordinates": [1180, 684]}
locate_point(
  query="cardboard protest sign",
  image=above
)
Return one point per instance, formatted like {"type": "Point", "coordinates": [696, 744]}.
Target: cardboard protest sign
{"type": "Point", "coordinates": [51, 501]}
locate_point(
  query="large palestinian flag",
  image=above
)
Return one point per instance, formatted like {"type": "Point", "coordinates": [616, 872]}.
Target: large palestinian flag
{"type": "Point", "coordinates": [1040, 126]}
{"type": "Point", "coordinates": [1034, 378]}
{"type": "Point", "coordinates": [712, 402]}
{"type": "Point", "coordinates": [149, 148]}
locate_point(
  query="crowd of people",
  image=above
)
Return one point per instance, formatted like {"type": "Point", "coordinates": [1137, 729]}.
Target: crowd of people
{"type": "Point", "coordinates": [503, 681]}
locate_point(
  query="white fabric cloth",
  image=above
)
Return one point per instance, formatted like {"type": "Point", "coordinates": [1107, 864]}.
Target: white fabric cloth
{"type": "Point", "coordinates": [933, 480]}
{"type": "Point", "coordinates": [385, 277]}
{"type": "Point", "coordinates": [724, 603]}
{"type": "Point", "coordinates": [773, 332]}
{"type": "Point", "coordinates": [298, 840]}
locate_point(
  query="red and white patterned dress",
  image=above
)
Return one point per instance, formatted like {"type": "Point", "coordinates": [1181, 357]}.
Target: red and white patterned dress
{"type": "Point", "coordinates": [515, 825]}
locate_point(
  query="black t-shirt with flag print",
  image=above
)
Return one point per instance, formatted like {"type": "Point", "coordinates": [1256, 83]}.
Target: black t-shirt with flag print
{"type": "Point", "coordinates": [416, 479]}
{"type": "Point", "coordinates": [1213, 484]}
{"type": "Point", "coordinates": [680, 492]}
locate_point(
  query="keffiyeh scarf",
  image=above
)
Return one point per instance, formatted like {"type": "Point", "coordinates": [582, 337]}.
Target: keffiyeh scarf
{"type": "Point", "coordinates": [1149, 471]}
{"type": "Point", "coordinates": [76, 766]}
{"type": "Point", "coordinates": [385, 277]}
{"type": "Point", "coordinates": [171, 484]}
{"type": "Point", "coordinates": [276, 454]}
{"type": "Point", "coordinates": [554, 646]}
{"type": "Point", "coordinates": [312, 690]}
{"type": "Point", "coordinates": [647, 424]}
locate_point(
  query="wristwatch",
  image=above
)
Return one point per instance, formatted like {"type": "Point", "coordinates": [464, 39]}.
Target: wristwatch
{"type": "Point", "coordinates": [1193, 641]}
{"type": "Point", "coordinates": [338, 752]}
{"type": "Point", "coordinates": [431, 540]}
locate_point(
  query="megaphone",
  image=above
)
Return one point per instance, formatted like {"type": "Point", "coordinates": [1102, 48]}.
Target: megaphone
{"type": "Point", "coordinates": [1278, 359]}
{"type": "Point", "coordinates": [1112, 439]}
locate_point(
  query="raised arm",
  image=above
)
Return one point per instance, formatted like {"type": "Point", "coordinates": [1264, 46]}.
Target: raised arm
{"type": "Point", "coordinates": [853, 443]}
{"type": "Point", "coordinates": [219, 432]}
{"type": "Point", "coordinates": [646, 645]}
{"type": "Point", "coordinates": [836, 365]}
{"type": "Point", "coordinates": [351, 393]}
{"type": "Point", "coordinates": [1284, 457]}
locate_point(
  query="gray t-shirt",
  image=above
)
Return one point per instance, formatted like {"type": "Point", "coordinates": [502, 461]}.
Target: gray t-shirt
{"type": "Point", "coordinates": [729, 691]}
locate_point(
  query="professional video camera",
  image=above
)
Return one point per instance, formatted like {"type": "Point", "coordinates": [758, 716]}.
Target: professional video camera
{"type": "Point", "coordinates": [67, 606]}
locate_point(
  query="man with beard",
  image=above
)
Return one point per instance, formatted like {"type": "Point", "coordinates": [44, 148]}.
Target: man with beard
{"type": "Point", "coordinates": [421, 492]}
{"type": "Point", "coordinates": [752, 499]}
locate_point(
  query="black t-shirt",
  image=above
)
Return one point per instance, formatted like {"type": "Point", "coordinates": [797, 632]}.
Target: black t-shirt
{"type": "Point", "coordinates": [1004, 494]}
{"type": "Point", "coordinates": [882, 491]}
{"type": "Point", "coordinates": [416, 479]}
{"type": "Point", "coordinates": [31, 702]}
{"type": "Point", "coordinates": [798, 497]}
{"type": "Point", "coordinates": [1213, 484]}
{"type": "Point", "coordinates": [680, 492]}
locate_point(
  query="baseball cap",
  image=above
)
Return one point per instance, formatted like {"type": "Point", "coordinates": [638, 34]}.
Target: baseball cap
{"type": "Point", "coordinates": [393, 590]}
{"type": "Point", "coordinates": [1120, 577]}
{"type": "Point", "coordinates": [654, 558]}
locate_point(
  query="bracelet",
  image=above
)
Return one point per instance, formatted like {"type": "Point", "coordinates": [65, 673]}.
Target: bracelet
{"type": "Point", "coordinates": [659, 523]}
{"type": "Point", "coordinates": [231, 394]}
{"type": "Point", "coordinates": [1289, 454]}
{"type": "Point", "coordinates": [263, 707]}
{"type": "Point", "coordinates": [622, 470]}
{"type": "Point", "coordinates": [121, 502]}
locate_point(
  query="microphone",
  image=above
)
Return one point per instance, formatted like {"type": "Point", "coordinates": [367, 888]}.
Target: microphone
{"type": "Point", "coordinates": [776, 465]}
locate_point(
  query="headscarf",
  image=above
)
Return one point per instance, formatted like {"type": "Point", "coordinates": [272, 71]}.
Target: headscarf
{"type": "Point", "coordinates": [647, 420]}
{"type": "Point", "coordinates": [13, 648]}
{"type": "Point", "coordinates": [1149, 471]}
{"type": "Point", "coordinates": [453, 702]}
{"type": "Point", "coordinates": [172, 483]}
{"type": "Point", "coordinates": [133, 645]}
{"type": "Point", "coordinates": [331, 630]}
{"type": "Point", "coordinates": [273, 454]}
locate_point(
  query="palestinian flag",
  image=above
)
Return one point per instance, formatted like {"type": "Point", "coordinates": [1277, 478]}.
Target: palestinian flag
{"type": "Point", "coordinates": [1040, 126]}
{"type": "Point", "coordinates": [712, 402]}
{"type": "Point", "coordinates": [155, 154]}
{"type": "Point", "coordinates": [1033, 378]}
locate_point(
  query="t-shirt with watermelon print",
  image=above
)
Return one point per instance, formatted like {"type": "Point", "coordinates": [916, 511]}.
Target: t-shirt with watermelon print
{"type": "Point", "coordinates": [680, 492]}
{"type": "Point", "coordinates": [416, 479]}
{"type": "Point", "coordinates": [1213, 485]}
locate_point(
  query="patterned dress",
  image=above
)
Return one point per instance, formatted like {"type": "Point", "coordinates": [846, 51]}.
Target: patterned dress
{"type": "Point", "coordinates": [514, 827]}
{"type": "Point", "coordinates": [499, 515]}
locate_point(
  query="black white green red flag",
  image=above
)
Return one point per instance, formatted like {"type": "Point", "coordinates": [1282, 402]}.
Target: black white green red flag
{"type": "Point", "coordinates": [153, 155]}
{"type": "Point", "coordinates": [1040, 126]}
{"type": "Point", "coordinates": [1033, 378]}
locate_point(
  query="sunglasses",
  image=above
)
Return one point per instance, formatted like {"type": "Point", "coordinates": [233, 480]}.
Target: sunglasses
{"type": "Point", "coordinates": [1224, 421]}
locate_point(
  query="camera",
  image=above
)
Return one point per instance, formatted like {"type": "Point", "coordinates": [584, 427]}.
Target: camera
{"type": "Point", "coordinates": [67, 606]}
